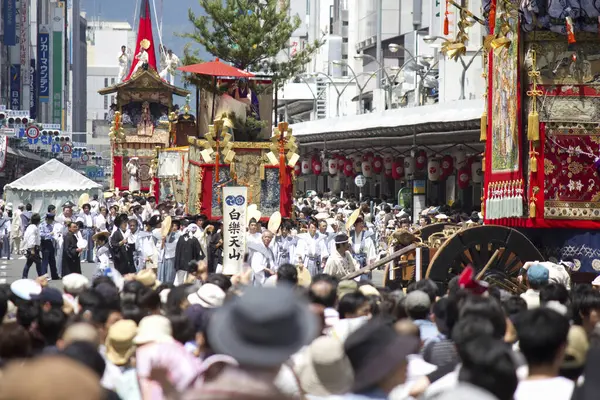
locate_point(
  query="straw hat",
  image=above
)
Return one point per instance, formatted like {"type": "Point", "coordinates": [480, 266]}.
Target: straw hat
{"type": "Point", "coordinates": [165, 226]}
{"type": "Point", "coordinates": [352, 218]}
{"type": "Point", "coordinates": [321, 216]}
{"type": "Point", "coordinates": [104, 234]}
{"type": "Point", "coordinates": [147, 277]}
{"type": "Point", "coordinates": [327, 370]}
{"type": "Point", "coordinates": [304, 278]}
{"type": "Point", "coordinates": [84, 198]}
{"type": "Point", "coordinates": [154, 329]}
{"type": "Point", "coordinates": [274, 222]}
{"type": "Point", "coordinates": [145, 44]}
{"type": "Point", "coordinates": [108, 195]}
{"type": "Point", "coordinates": [119, 341]}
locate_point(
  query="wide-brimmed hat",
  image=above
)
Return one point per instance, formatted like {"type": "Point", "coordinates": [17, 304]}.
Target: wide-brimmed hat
{"type": "Point", "coordinates": [25, 288]}
{"type": "Point", "coordinates": [208, 295]}
{"type": "Point", "coordinates": [375, 350]}
{"type": "Point", "coordinates": [102, 234]}
{"type": "Point", "coordinates": [147, 277]}
{"type": "Point", "coordinates": [263, 328]}
{"type": "Point", "coordinates": [326, 370]}
{"type": "Point", "coordinates": [119, 341]}
{"type": "Point", "coordinates": [154, 329]}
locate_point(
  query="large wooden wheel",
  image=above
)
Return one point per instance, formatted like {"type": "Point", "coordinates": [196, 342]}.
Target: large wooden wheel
{"type": "Point", "coordinates": [429, 230]}
{"type": "Point", "coordinates": [476, 246]}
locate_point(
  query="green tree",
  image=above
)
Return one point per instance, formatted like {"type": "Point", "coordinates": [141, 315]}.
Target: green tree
{"type": "Point", "coordinates": [247, 33]}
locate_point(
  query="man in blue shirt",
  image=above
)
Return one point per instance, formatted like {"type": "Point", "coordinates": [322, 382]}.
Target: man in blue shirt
{"type": "Point", "coordinates": [48, 246]}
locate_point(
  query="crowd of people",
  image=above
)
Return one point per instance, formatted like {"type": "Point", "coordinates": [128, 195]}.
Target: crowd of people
{"type": "Point", "coordinates": [159, 319]}
{"type": "Point", "coordinates": [221, 337]}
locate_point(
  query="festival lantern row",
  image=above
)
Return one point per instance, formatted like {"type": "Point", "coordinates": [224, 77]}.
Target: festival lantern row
{"type": "Point", "coordinates": [438, 169]}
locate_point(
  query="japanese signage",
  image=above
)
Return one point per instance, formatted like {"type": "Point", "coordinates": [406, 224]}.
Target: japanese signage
{"type": "Point", "coordinates": [15, 87]}
{"type": "Point", "coordinates": [32, 90]}
{"type": "Point", "coordinates": [44, 65]}
{"type": "Point", "coordinates": [9, 12]}
{"type": "Point", "coordinates": [234, 228]}
{"type": "Point", "coordinates": [57, 81]}
{"type": "Point", "coordinates": [3, 150]}
{"type": "Point", "coordinates": [24, 38]}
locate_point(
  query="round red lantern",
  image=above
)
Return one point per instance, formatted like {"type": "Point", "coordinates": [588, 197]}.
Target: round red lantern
{"type": "Point", "coordinates": [464, 176]}
{"type": "Point", "coordinates": [316, 165]}
{"type": "Point", "coordinates": [305, 167]}
{"type": "Point", "coordinates": [297, 169]}
{"type": "Point", "coordinates": [398, 169]}
{"type": "Point", "coordinates": [377, 164]}
{"type": "Point", "coordinates": [348, 168]}
{"type": "Point", "coordinates": [332, 166]}
{"type": "Point", "coordinates": [447, 166]}
{"type": "Point", "coordinates": [367, 169]}
{"type": "Point", "coordinates": [421, 160]}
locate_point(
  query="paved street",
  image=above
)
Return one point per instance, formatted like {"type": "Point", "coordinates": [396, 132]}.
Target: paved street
{"type": "Point", "coordinates": [11, 270]}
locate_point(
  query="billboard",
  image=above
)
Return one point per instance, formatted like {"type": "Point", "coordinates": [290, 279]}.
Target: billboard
{"type": "Point", "coordinates": [57, 77]}
{"type": "Point", "coordinates": [32, 90]}
{"type": "Point", "coordinates": [43, 57]}
{"type": "Point", "coordinates": [15, 87]}
{"type": "Point", "coordinates": [9, 13]}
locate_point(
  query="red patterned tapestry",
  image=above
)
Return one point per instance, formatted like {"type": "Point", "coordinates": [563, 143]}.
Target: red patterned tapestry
{"type": "Point", "coordinates": [503, 162]}
{"type": "Point", "coordinates": [571, 183]}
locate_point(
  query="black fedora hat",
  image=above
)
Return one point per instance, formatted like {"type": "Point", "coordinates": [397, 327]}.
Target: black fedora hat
{"type": "Point", "coordinates": [375, 350]}
{"type": "Point", "coordinates": [263, 327]}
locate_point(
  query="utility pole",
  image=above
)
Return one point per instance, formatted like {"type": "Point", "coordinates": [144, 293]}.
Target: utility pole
{"type": "Point", "coordinates": [379, 44]}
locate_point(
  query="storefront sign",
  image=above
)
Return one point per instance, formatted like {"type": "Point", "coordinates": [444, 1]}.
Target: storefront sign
{"type": "Point", "coordinates": [15, 87]}
{"type": "Point", "coordinates": [235, 205]}
{"type": "Point", "coordinates": [57, 81]}
{"type": "Point", "coordinates": [9, 12]}
{"type": "Point", "coordinates": [419, 186]}
{"type": "Point", "coordinates": [24, 38]}
{"type": "Point", "coordinates": [32, 90]}
{"type": "Point", "coordinates": [3, 151]}
{"type": "Point", "coordinates": [44, 64]}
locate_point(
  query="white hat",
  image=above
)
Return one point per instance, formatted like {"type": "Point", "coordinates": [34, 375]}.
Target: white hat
{"type": "Point", "coordinates": [24, 288]}
{"type": "Point", "coordinates": [327, 370]}
{"type": "Point", "coordinates": [154, 328]}
{"type": "Point", "coordinates": [441, 216]}
{"type": "Point", "coordinates": [341, 203]}
{"type": "Point", "coordinates": [596, 282]}
{"type": "Point", "coordinates": [322, 216]}
{"type": "Point", "coordinates": [75, 283]}
{"type": "Point", "coordinates": [208, 296]}
{"type": "Point", "coordinates": [9, 206]}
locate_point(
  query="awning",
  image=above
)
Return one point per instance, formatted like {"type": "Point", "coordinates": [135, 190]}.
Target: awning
{"type": "Point", "coordinates": [25, 154]}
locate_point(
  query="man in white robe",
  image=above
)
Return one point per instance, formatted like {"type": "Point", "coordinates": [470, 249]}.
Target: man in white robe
{"type": "Point", "coordinates": [171, 64]}
{"type": "Point", "coordinates": [142, 59]}
{"type": "Point", "coordinates": [341, 263]}
{"type": "Point", "coordinates": [263, 259]}
{"type": "Point", "coordinates": [284, 246]}
{"type": "Point", "coordinates": [312, 249]}
{"type": "Point", "coordinates": [123, 59]}
{"type": "Point", "coordinates": [363, 248]}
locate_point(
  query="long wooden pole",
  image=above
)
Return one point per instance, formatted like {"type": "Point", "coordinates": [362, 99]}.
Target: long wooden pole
{"type": "Point", "coordinates": [488, 265]}
{"type": "Point", "coordinates": [381, 262]}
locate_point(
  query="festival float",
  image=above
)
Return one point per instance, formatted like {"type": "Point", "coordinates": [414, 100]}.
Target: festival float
{"type": "Point", "coordinates": [143, 118]}
{"type": "Point", "coordinates": [541, 164]}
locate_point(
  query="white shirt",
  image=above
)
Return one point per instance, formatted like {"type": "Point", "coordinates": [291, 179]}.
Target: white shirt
{"type": "Point", "coordinates": [100, 222]}
{"type": "Point", "coordinates": [532, 298]}
{"type": "Point", "coordinates": [31, 238]}
{"type": "Point", "coordinates": [557, 388]}
{"type": "Point", "coordinates": [556, 273]}
{"type": "Point", "coordinates": [260, 261]}
{"type": "Point", "coordinates": [123, 59]}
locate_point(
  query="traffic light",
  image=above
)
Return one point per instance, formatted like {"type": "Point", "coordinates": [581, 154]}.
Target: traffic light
{"type": "Point", "coordinates": [18, 118]}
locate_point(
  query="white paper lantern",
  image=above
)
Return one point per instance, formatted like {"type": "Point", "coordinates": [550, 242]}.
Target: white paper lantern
{"type": "Point", "coordinates": [433, 170]}
{"type": "Point", "coordinates": [305, 167]}
{"type": "Point", "coordinates": [388, 160]}
{"type": "Point", "coordinates": [367, 169]}
{"type": "Point", "coordinates": [409, 166]}
{"type": "Point", "coordinates": [357, 162]}
{"type": "Point", "coordinates": [460, 158]}
{"type": "Point", "coordinates": [332, 166]}
{"type": "Point", "coordinates": [476, 172]}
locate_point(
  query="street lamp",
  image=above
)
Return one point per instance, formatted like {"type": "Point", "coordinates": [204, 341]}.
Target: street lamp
{"type": "Point", "coordinates": [431, 39]}
{"type": "Point", "coordinates": [337, 105]}
{"type": "Point", "coordinates": [381, 67]}
{"type": "Point", "coordinates": [355, 76]}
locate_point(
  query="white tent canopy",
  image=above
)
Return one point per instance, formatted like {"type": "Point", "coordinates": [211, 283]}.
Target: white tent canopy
{"type": "Point", "coordinates": [51, 183]}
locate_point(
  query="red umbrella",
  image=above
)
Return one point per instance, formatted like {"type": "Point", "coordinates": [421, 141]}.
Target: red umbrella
{"type": "Point", "coordinates": [216, 68]}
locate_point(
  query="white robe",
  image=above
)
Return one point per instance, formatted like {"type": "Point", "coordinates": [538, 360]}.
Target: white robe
{"type": "Point", "coordinates": [261, 260]}
{"type": "Point", "coordinates": [310, 248]}
{"type": "Point", "coordinates": [363, 245]}
{"type": "Point", "coordinates": [123, 59]}
{"type": "Point", "coordinates": [142, 58]}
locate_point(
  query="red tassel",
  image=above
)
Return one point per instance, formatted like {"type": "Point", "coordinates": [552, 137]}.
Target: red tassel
{"type": "Point", "coordinates": [570, 32]}
{"type": "Point", "coordinates": [446, 26]}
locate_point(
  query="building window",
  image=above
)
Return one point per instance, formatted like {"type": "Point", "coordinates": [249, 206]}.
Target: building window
{"type": "Point", "coordinates": [345, 40]}
{"type": "Point", "coordinates": [344, 56]}
{"type": "Point", "coordinates": [344, 23]}
{"type": "Point", "coordinates": [105, 82]}
{"type": "Point", "coordinates": [106, 116]}
{"type": "Point", "coordinates": [106, 102]}
{"type": "Point", "coordinates": [112, 100]}
{"type": "Point", "coordinates": [112, 81]}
